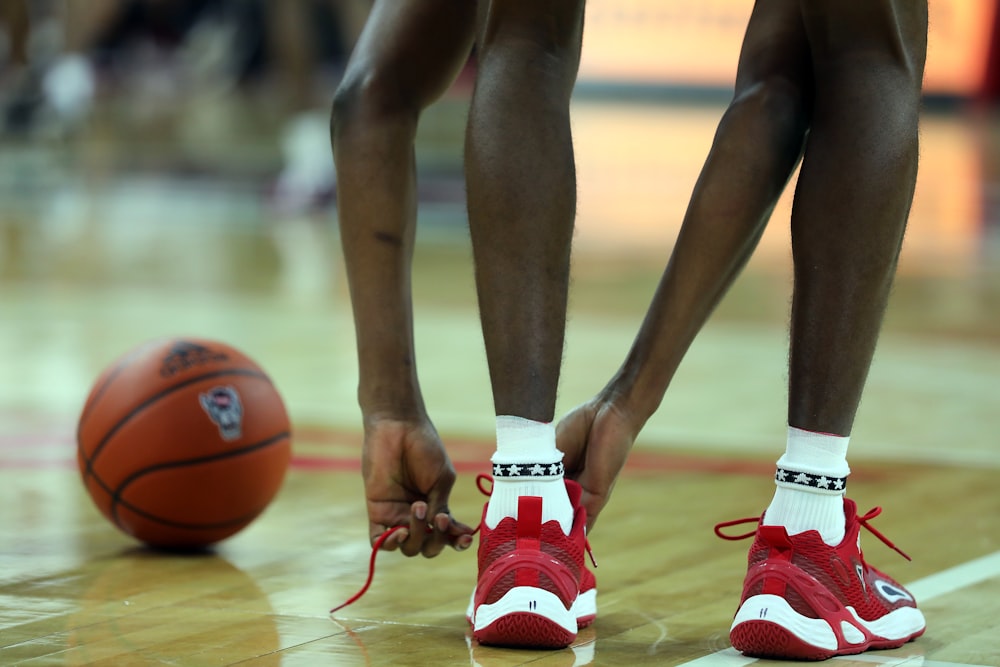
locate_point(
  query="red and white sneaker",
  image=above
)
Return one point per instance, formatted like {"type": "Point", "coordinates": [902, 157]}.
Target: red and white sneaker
{"type": "Point", "coordinates": [585, 605]}
{"type": "Point", "coordinates": [530, 578]}
{"type": "Point", "coordinates": [805, 600]}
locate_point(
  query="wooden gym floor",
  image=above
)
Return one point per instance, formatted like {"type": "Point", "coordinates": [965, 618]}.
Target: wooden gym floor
{"type": "Point", "coordinates": [105, 243]}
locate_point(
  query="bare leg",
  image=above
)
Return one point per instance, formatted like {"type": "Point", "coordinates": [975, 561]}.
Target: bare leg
{"type": "Point", "coordinates": [756, 147]}
{"type": "Point", "coordinates": [351, 14]}
{"type": "Point", "coordinates": [290, 40]}
{"type": "Point", "coordinates": [521, 180]}
{"type": "Point", "coordinates": [852, 199]}
{"type": "Point", "coordinates": [85, 23]}
{"type": "Point", "coordinates": [15, 23]}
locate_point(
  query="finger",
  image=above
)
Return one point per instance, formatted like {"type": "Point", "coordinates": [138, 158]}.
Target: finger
{"type": "Point", "coordinates": [594, 503]}
{"type": "Point", "coordinates": [375, 531]}
{"type": "Point", "coordinates": [436, 539]}
{"type": "Point", "coordinates": [456, 534]}
{"type": "Point", "coordinates": [572, 433]}
{"type": "Point", "coordinates": [413, 544]}
{"type": "Point", "coordinates": [593, 509]}
{"type": "Point", "coordinates": [391, 543]}
{"type": "Point", "coordinates": [437, 500]}
{"type": "Point", "coordinates": [433, 545]}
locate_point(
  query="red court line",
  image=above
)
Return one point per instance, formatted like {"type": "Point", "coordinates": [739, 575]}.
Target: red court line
{"type": "Point", "coordinates": [639, 463]}
{"type": "Point", "coordinates": [468, 454]}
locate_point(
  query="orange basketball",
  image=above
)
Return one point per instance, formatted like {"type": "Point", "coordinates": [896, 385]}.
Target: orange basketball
{"type": "Point", "coordinates": [183, 442]}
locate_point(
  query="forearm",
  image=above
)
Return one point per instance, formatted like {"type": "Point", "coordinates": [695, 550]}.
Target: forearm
{"type": "Point", "coordinates": [699, 273]}
{"type": "Point", "coordinates": [388, 383]}
{"type": "Point", "coordinates": [752, 158]}
{"type": "Point", "coordinates": [377, 211]}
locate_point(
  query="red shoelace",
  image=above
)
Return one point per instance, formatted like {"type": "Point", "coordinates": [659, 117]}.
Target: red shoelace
{"type": "Point", "coordinates": [481, 478]}
{"type": "Point", "coordinates": [863, 519]}
{"type": "Point", "coordinates": [381, 539]}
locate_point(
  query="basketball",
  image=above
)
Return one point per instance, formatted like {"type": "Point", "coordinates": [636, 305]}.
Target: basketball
{"type": "Point", "coordinates": [183, 442]}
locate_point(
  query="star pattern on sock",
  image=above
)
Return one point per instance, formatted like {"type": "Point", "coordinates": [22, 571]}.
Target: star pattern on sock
{"type": "Point", "coordinates": [798, 478]}
{"type": "Point", "coordinates": [531, 470]}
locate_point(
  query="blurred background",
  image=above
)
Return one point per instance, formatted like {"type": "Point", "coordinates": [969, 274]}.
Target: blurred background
{"type": "Point", "coordinates": [165, 169]}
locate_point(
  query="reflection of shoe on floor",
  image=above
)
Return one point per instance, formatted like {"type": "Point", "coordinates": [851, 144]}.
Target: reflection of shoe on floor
{"type": "Point", "coordinates": [530, 577]}
{"type": "Point", "coordinates": [307, 179]}
{"type": "Point", "coordinates": [805, 600]}
{"type": "Point", "coordinates": [580, 654]}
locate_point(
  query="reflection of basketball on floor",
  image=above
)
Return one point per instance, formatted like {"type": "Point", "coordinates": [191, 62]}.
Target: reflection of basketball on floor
{"type": "Point", "coordinates": [182, 443]}
{"type": "Point", "coordinates": [215, 613]}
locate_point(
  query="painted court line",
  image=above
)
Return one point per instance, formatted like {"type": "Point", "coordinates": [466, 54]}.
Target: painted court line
{"type": "Point", "coordinates": [928, 588]}
{"type": "Point", "coordinates": [957, 577]}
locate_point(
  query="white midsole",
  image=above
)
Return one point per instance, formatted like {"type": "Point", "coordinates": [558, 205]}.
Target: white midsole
{"type": "Point", "coordinates": [526, 600]}
{"type": "Point", "coordinates": [898, 624]}
{"type": "Point", "coordinates": [584, 605]}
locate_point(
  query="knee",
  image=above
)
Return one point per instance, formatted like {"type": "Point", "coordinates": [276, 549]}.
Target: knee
{"type": "Point", "coordinates": [858, 43]}
{"type": "Point", "coordinates": [552, 29]}
{"type": "Point", "coordinates": [875, 84]}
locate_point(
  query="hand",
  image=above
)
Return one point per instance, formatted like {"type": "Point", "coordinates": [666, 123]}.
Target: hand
{"type": "Point", "coordinates": [595, 439]}
{"type": "Point", "coordinates": [408, 478]}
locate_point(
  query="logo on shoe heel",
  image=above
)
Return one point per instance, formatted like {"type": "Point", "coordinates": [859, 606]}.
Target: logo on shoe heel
{"type": "Point", "coordinates": [891, 592]}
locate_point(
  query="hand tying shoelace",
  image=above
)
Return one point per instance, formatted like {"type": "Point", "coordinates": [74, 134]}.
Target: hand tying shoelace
{"type": "Point", "coordinates": [481, 479]}
{"type": "Point", "coordinates": [377, 546]}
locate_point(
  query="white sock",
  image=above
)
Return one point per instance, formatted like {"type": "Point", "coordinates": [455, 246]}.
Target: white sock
{"type": "Point", "coordinates": [527, 463]}
{"type": "Point", "coordinates": [810, 480]}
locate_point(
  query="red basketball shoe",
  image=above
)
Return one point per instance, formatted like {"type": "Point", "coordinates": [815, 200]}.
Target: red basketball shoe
{"type": "Point", "coordinates": [585, 605]}
{"type": "Point", "coordinates": [805, 600]}
{"type": "Point", "coordinates": [530, 578]}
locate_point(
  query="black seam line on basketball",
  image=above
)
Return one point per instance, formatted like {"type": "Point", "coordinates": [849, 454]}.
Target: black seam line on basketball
{"type": "Point", "coordinates": [117, 500]}
{"type": "Point", "coordinates": [194, 526]}
{"type": "Point", "coordinates": [89, 470]}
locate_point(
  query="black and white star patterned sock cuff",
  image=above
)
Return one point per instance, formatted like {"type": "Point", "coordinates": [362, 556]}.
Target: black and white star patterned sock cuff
{"type": "Point", "coordinates": [796, 479]}
{"type": "Point", "coordinates": [539, 471]}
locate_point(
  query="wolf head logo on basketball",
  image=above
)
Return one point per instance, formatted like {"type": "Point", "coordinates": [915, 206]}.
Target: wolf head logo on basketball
{"type": "Point", "coordinates": [225, 409]}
